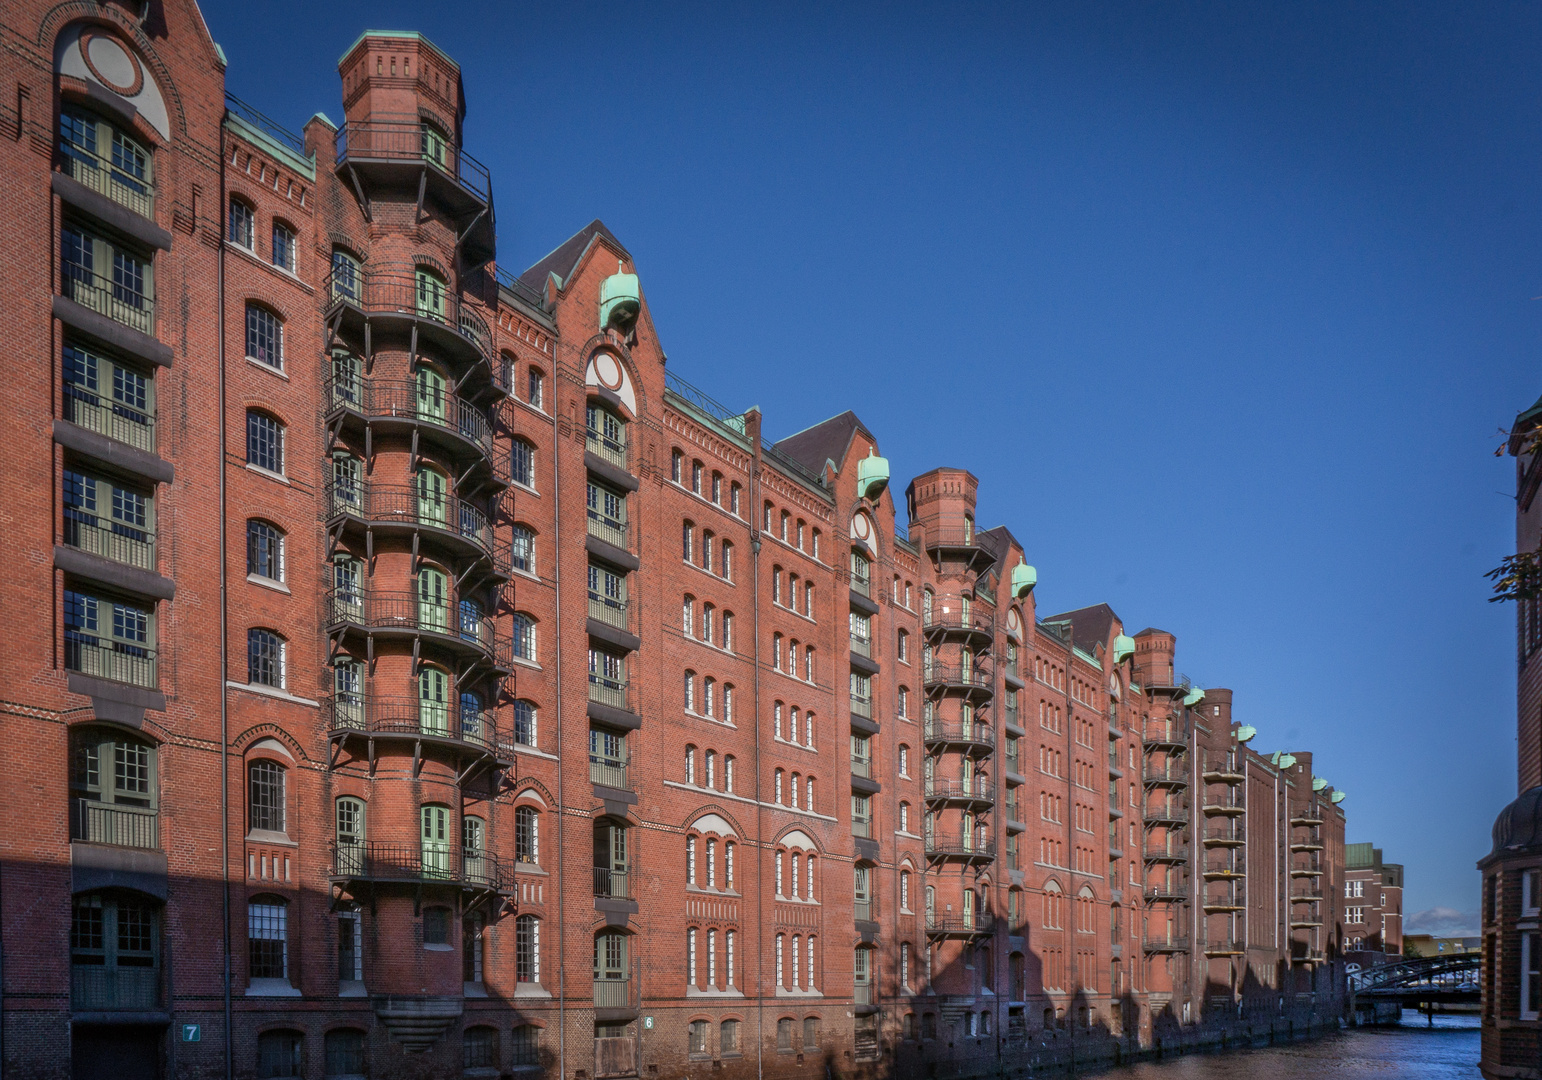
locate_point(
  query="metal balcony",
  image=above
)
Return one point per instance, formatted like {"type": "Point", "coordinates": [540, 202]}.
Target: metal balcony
{"type": "Point", "coordinates": [412, 719]}
{"type": "Point", "coordinates": [1225, 948]}
{"type": "Point", "coordinates": [439, 414]}
{"type": "Point", "coordinates": [1166, 945]}
{"type": "Point", "coordinates": [608, 529]}
{"type": "Point", "coordinates": [118, 299]}
{"type": "Point", "coordinates": [103, 177]}
{"type": "Point", "coordinates": [377, 862]}
{"type": "Point", "coordinates": [1222, 773]}
{"type": "Point", "coordinates": [95, 822]}
{"type": "Point", "coordinates": [1312, 897]}
{"type": "Point", "coordinates": [118, 661]}
{"type": "Point", "coordinates": [108, 538]}
{"type": "Point", "coordinates": [967, 925]}
{"type": "Point", "coordinates": [445, 519]}
{"type": "Point", "coordinates": [1308, 818]}
{"type": "Point", "coordinates": [1225, 870]}
{"type": "Point", "coordinates": [1165, 816]}
{"type": "Point", "coordinates": [383, 614]}
{"type": "Point", "coordinates": [613, 883]}
{"type": "Point", "coordinates": [1164, 893]}
{"type": "Point", "coordinates": [606, 449]}
{"type": "Point", "coordinates": [359, 143]}
{"type": "Point", "coordinates": [398, 299]}
{"type": "Point", "coordinates": [956, 677]}
{"type": "Point", "coordinates": [612, 993]}
{"type": "Point", "coordinates": [1234, 899]}
{"type": "Point", "coordinates": [955, 542]}
{"type": "Point", "coordinates": [957, 846]}
{"type": "Point", "coordinates": [611, 693]}
{"type": "Point", "coordinates": [115, 989]}
{"type": "Point", "coordinates": [1223, 807]}
{"type": "Point", "coordinates": [954, 625]}
{"type": "Point", "coordinates": [1225, 836]}
{"type": "Point", "coordinates": [107, 416]}
{"type": "Point", "coordinates": [1309, 842]}
{"type": "Point", "coordinates": [1161, 776]}
{"type": "Point", "coordinates": [960, 791]}
{"type": "Point", "coordinates": [1165, 855]}
{"type": "Point", "coordinates": [609, 773]}
{"type": "Point", "coordinates": [957, 733]}
{"type": "Point", "coordinates": [608, 610]}
{"type": "Point", "coordinates": [1171, 739]}
{"type": "Point", "coordinates": [864, 910]}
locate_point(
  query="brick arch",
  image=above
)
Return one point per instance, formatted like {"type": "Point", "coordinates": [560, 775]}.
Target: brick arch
{"type": "Point", "coordinates": [242, 742]}
{"type": "Point", "coordinates": [527, 783]}
{"type": "Point", "coordinates": [611, 343]}
{"type": "Point", "coordinates": [51, 25]}
{"type": "Point", "coordinates": [721, 811]}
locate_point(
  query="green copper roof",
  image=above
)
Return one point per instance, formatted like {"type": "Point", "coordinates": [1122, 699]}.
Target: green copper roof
{"type": "Point", "coordinates": [409, 35]}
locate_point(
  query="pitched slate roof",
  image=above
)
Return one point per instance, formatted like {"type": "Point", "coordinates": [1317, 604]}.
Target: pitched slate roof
{"type": "Point", "coordinates": [827, 440]}
{"type": "Point", "coordinates": [1091, 627]}
{"type": "Point", "coordinates": [562, 261]}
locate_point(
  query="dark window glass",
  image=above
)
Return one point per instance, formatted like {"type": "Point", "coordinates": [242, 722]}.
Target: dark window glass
{"type": "Point", "coordinates": [264, 550]}
{"type": "Point", "coordinates": [267, 796]}
{"type": "Point", "coordinates": [264, 658]}
{"type": "Point", "coordinates": [264, 336]}
{"type": "Point", "coordinates": [345, 1052]}
{"type": "Point", "coordinates": [264, 442]}
{"type": "Point", "coordinates": [481, 1047]}
{"type": "Point", "coordinates": [436, 926]}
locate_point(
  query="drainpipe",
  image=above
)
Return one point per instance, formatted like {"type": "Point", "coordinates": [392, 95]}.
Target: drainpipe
{"type": "Point", "coordinates": [752, 429]}
{"type": "Point", "coordinates": [224, 647]}
{"type": "Point", "coordinates": [562, 963]}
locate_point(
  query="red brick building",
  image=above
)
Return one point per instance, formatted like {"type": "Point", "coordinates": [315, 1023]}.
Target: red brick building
{"type": "Point", "coordinates": [1512, 871]}
{"type": "Point", "coordinates": [425, 680]}
{"type": "Point", "coordinates": [1373, 904]}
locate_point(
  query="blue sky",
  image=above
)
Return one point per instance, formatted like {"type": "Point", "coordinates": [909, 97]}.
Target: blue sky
{"type": "Point", "coordinates": [1224, 304]}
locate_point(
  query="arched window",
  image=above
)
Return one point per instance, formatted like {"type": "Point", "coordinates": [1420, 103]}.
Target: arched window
{"type": "Point", "coordinates": [523, 547]}
{"type": "Point", "coordinates": [690, 691]}
{"type": "Point", "coordinates": [345, 275]}
{"type": "Point", "coordinates": [535, 385]}
{"type": "Point", "coordinates": [904, 817]}
{"type": "Point", "coordinates": [267, 935]}
{"type": "Point", "coordinates": [777, 776]}
{"type": "Point", "coordinates": [522, 463]}
{"type": "Point", "coordinates": [264, 442]}
{"type": "Point", "coordinates": [264, 336]}
{"type": "Point", "coordinates": [432, 293]}
{"type": "Point", "coordinates": [727, 560]}
{"type": "Point", "coordinates": [527, 835]}
{"type": "Point", "coordinates": [524, 636]}
{"type": "Point", "coordinates": [728, 879]}
{"type": "Point", "coordinates": [707, 611]}
{"type": "Point", "coordinates": [688, 616]}
{"type": "Point", "coordinates": [709, 702]}
{"type": "Point", "coordinates": [690, 764]}
{"type": "Point", "coordinates": [676, 463]}
{"type": "Point", "coordinates": [687, 536]}
{"type": "Point", "coordinates": [344, 1053]}
{"type": "Point", "coordinates": [696, 477]}
{"type": "Point", "coordinates": [264, 550]}
{"type": "Point", "coordinates": [690, 860]}
{"type": "Point", "coordinates": [610, 958]}
{"type": "Point", "coordinates": [242, 227]}
{"type": "Point", "coordinates": [265, 802]}
{"type": "Point", "coordinates": [717, 488]}
{"type": "Point", "coordinates": [480, 1047]}
{"type": "Point", "coordinates": [733, 498]}
{"type": "Point", "coordinates": [706, 549]}
{"type": "Point", "coordinates": [278, 1054]}
{"type": "Point", "coordinates": [904, 890]}
{"type": "Point", "coordinates": [709, 761]}
{"type": "Point", "coordinates": [527, 949]}
{"type": "Point", "coordinates": [526, 1050]}
{"type": "Point", "coordinates": [525, 723]}
{"type": "Point", "coordinates": [727, 623]}
{"type": "Point", "coordinates": [728, 1031]}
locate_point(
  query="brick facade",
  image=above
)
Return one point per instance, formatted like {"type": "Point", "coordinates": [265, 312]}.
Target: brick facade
{"type": "Point", "coordinates": [509, 705]}
{"type": "Point", "coordinates": [1373, 904]}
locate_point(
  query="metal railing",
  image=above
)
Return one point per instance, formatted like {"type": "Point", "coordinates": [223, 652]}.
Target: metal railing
{"type": "Point", "coordinates": [864, 910]}
{"type": "Point", "coordinates": [108, 989]}
{"type": "Point", "coordinates": [940, 536]}
{"type": "Point", "coordinates": [376, 609]}
{"type": "Point", "coordinates": [107, 417]}
{"type": "Point", "coordinates": [862, 585]}
{"type": "Point", "coordinates": [94, 822]}
{"type": "Point", "coordinates": [108, 659]}
{"type": "Point", "coordinates": [383, 504]}
{"type": "Point", "coordinates": [612, 993]}
{"type": "Point", "coordinates": [606, 449]}
{"type": "Point", "coordinates": [980, 922]}
{"type": "Point", "coordinates": [1161, 734]}
{"type": "Point", "coordinates": [608, 610]}
{"type": "Point", "coordinates": [960, 844]}
{"type": "Point", "coordinates": [409, 716]}
{"type": "Point", "coordinates": [608, 529]}
{"type": "Point", "coordinates": [862, 993]}
{"type": "Point", "coordinates": [108, 538]}
{"type": "Point", "coordinates": [981, 790]}
{"type": "Point", "coordinates": [862, 646]}
{"type": "Point", "coordinates": [610, 692]}
{"type": "Point", "coordinates": [1167, 894]}
{"type": "Point", "coordinates": [1166, 944]}
{"type": "Point", "coordinates": [117, 300]}
{"type": "Point", "coordinates": [382, 861]}
{"type": "Point", "coordinates": [957, 731]}
{"type": "Point", "coordinates": [1163, 814]}
{"type": "Point", "coordinates": [705, 402]}
{"type": "Point", "coordinates": [862, 706]}
{"type": "Point", "coordinates": [862, 825]}
{"type": "Point", "coordinates": [861, 765]}
{"type": "Point", "coordinates": [955, 675]}
{"type": "Point", "coordinates": [1227, 835]}
{"type": "Point", "coordinates": [266, 124]}
{"type": "Point", "coordinates": [1164, 854]}
{"type": "Point", "coordinates": [101, 176]}
{"type": "Point", "coordinates": [399, 292]}
{"type": "Point", "coordinates": [1314, 897]}
{"type": "Point", "coordinates": [608, 773]}
{"type": "Point", "coordinates": [407, 399]}
{"type": "Point", "coordinates": [385, 140]}
{"type": "Point", "coordinates": [532, 296]}
{"type": "Point", "coordinates": [1158, 774]}
{"type": "Point", "coordinates": [956, 620]}
{"type": "Point", "coordinates": [612, 882]}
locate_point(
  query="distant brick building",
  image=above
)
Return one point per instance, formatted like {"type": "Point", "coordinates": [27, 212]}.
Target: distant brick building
{"type": "Point", "coordinates": [1511, 901]}
{"type": "Point", "coordinates": [1373, 902]}
{"type": "Point", "coordinates": [393, 633]}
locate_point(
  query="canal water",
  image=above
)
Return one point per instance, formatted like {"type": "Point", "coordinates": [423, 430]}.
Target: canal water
{"type": "Point", "coordinates": [1409, 1051]}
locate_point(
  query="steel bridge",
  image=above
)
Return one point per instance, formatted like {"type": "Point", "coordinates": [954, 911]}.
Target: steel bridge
{"type": "Point", "coordinates": [1448, 978]}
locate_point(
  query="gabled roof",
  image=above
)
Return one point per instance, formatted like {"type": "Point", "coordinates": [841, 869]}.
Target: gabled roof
{"type": "Point", "coordinates": [828, 440]}
{"type": "Point", "coordinates": [562, 260]}
{"type": "Point", "coordinates": [1091, 627]}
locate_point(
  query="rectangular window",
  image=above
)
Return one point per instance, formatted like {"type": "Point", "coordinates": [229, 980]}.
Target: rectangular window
{"type": "Point", "coordinates": [264, 442]}
{"type": "Point", "coordinates": [107, 519]}
{"type": "Point", "coordinates": [109, 639]}
{"type": "Point", "coordinates": [110, 398]}
{"type": "Point", "coordinates": [1531, 897]}
{"type": "Point", "coordinates": [1531, 974]}
{"type": "Point", "coordinates": [267, 796]}
{"type": "Point", "coordinates": [242, 230]}
{"type": "Point", "coordinates": [283, 248]}
{"type": "Point", "coordinates": [264, 337]}
{"type": "Point", "coordinates": [267, 934]}
{"type": "Point", "coordinates": [522, 463]}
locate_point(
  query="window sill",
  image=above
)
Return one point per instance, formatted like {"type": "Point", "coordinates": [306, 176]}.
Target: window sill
{"type": "Point", "coordinates": [438, 948]}
{"type": "Point", "coordinates": [273, 692]}
{"type": "Point", "coordinates": [351, 988]}
{"type": "Point", "coordinates": [530, 574]}
{"type": "Point", "coordinates": [530, 990]}
{"type": "Point", "coordinates": [522, 662]}
{"type": "Point", "coordinates": [269, 368]}
{"type": "Point", "coordinates": [268, 583]}
{"type": "Point", "coordinates": [269, 473]}
{"type": "Point", "coordinates": [526, 488]}
{"type": "Point", "coordinates": [270, 267]}
{"type": "Point", "coordinates": [271, 988]}
{"type": "Point", "coordinates": [713, 992]}
{"type": "Point", "coordinates": [268, 836]}
{"type": "Point", "coordinates": [521, 748]}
